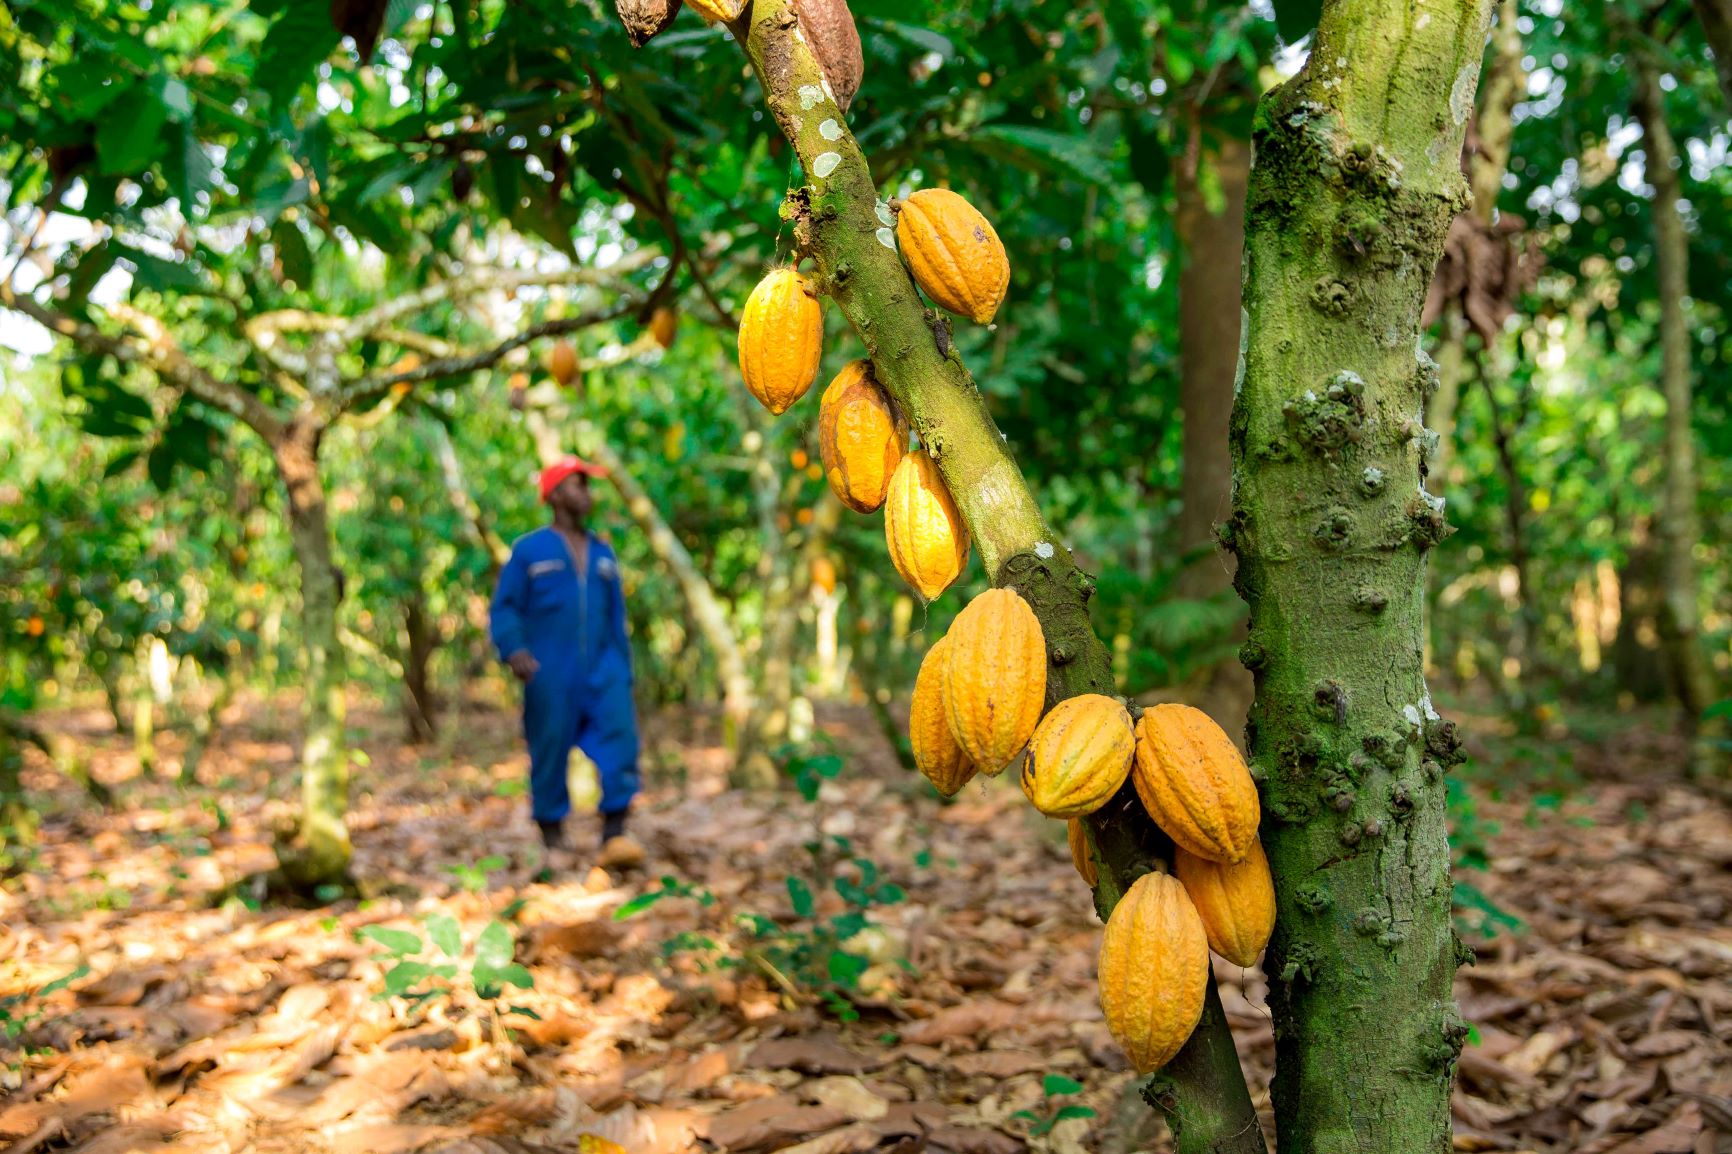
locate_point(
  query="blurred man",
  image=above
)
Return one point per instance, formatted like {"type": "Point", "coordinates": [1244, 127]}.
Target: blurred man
{"type": "Point", "coordinates": [559, 622]}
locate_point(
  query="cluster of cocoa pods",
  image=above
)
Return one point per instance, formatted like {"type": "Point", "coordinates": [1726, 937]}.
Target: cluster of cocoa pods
{"type": "Point", "coordinates": [978, 701]}
{"type": "Point", "coordinates": [957, 259]}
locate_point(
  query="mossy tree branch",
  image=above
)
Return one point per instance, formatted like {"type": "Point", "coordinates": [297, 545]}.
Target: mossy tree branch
{"type": "Point", "coordinates": [1356, 179]}
{"type": "Point", "coordinates": [840, 222]}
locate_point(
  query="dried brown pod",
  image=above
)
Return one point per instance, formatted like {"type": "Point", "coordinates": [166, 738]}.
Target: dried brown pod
{"type": "Point", "coordinates": [829, 29]}
{"type": "Point", "coordinates": [644, 18]}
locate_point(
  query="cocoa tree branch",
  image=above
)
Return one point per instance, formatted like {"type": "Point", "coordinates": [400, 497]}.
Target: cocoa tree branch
{"type": "Point", "coordinates": [840, 222]}
{"type": "Point", "coordinates": [159, 354]}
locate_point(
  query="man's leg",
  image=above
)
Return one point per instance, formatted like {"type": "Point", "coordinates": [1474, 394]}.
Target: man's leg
{"type": "Point", "coordinates": [549, 725]}
{"type": "Point", "coordinates": [608, 736]}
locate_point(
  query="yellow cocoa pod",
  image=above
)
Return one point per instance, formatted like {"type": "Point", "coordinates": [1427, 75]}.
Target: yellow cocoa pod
{"type": "Point", "coordinates": [995, 678]}
{"type": "Point", "coordinates": [935, 748]}
{"type": "Point", "coordinates": [1194, 783]}
{"type": "Point", "coordinates": [596, 1144]}
{"type": "Point", "coordinates": [927, 540]}
{"type": "Point", "coordinates": [1236, 902]}
{"type": "Point", "coordinates": [861, 437]}
{"type": "Point", "coordinates": [953, 252]}
{"type": "Point", "coordinates": [562, 362]}
{"type": "Point", "coordinates": [727, 11]}
{"type": "Point", "coordinates": [1079, 851]}
{"type": "Point", "coordinates": [1079, 756]}
{"type": "Point", "coordinates": [663, 324]}
{"type": "Point", "coordinates": [1154, 966]}
{"type": "Point", "coordinates": [781, 336]}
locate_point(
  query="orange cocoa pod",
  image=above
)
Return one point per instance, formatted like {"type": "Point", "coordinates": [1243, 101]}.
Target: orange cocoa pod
{"type": "Point", "coordinates": [1236, 902]}
{"type": "Point", "coordinates": [1194, 783]}
{"type": "Point", "coordinates": [1079, 756]}
{"type": "Point", "coordinates": [781, 337]}
{"type": "Point", "coordinates": [562, 362]}
{"type": "Point", "coordinates": [1153, 970]}
{"type": "Point", "coordinates": [954, 253]}
{"type": "Point", "coordinates": [995, 678]}
{"type": "Point", "coordinates": [927, 540]}
{"type": "Point", "coordinates": [1079, 851]}
{"type": "Point", "coordinates": [935, 750]}
{"type": "Point", "coordinates": [824, 573]}
{"type": "Point", "coordinates": [861, 437]}
{"type": "Point", "coordinates": [663, 324]}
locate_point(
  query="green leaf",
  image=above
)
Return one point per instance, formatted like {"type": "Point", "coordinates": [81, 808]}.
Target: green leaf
{"type": "Point", "coordinates": [63, 981]}
{"type": "Point", "coordinates": [1059, 1084]}
{"type": "Point", "coordinates": [444, 932]}
{"type": "Point", "coordinates": [1294, 19]}
{"type": "Point", "coordinates": [494, 948]}
{"type": "Point", "coordinates": [300, 38]}
{"type": "Point", "coordinates": [399, 942]}
{"type": "Point", "coordinates": [638, 905]}
{"type": "Point", "coordinates": [845, 968]}
{"type": "Point", "coordinates": [292, 250]}
{"type": "Point", "coordinates": [1042, 150]}
{"type": "Point", "coordinates": [1073, 1112]}
{"type": "Point", "coordinates": [801, 895]}
{"type": "Point", "coordinates": [404, 976]}
{"type": "Point", "coordinates": [176, 97]}
{"type": "Point", "coordinates": [127, 140]}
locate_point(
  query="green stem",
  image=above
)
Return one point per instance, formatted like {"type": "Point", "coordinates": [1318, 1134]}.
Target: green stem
{"type": "Point", "coordinates": [841, 223]}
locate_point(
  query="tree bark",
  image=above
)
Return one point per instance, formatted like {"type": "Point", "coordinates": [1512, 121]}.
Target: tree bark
{"type": "Point", "coordinates": [319, 852]}
{"type": "Point", "coordinates": [840, 222]}
{"type": "Point", "coordinates": [420, 710]}
{"type": "Point", "coordinates": [1213, 239]}
{"type": "Point", "coordinates": [1355, 181]}
{"type": "Point", "coordinates": [1716, 20]}
{"type": "Point", "coordinates": [1678, 529]}
{"type": "Point", "coordinates": [1515, 505]}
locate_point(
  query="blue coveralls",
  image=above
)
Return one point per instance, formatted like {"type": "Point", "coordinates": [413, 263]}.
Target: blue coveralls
{"type": "Point", "coordinates": [575, 628]}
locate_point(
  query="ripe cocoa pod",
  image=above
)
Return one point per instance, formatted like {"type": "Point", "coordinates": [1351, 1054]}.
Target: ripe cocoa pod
{"type": "Point", "coordinates": [663, 324]}
{"type": "Point", "coordinates": [935, 750]}
{"type": "Point", "coordinates": [927, 540]}
{"type": "Point", "coordinates": [726, 11]}
{"type": "Point", "coordinates": [1236, 902]}
{"type": "Point", "coordinates": [824, 573]}
{"type": "Point", "coordinates": [861, 437]}
{"type": "Point", "coordinates": [995, 678]}
{"type": "Point", "coordinates": [781, 337]}
{"type": "Point", "coordinates": [1079, 851]}
{"type": "Point", "coordinates": [1154, 968]}
{"type": "Point", "coordinates": [954, 253]}
{"type": "Point", "coordinates": [596, 1144]}
{"type": "Point", "coordinates": [1194, 783]}
{"type": "Point", "coordinates": [644, 18]}
{"type": "Point", "coordinates": [562, 363]}
{"type": "Point", "coordinates": [1079, 756]}
{"type": "Point", "coordinates": [829, 29]}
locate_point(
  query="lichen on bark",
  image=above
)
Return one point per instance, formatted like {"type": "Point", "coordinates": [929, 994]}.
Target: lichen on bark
{"type": "Point", "coordinates": [1355, 181]}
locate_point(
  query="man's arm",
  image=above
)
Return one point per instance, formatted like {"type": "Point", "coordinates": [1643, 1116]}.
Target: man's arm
{"type": "Point", "coordinates": [506, 618]}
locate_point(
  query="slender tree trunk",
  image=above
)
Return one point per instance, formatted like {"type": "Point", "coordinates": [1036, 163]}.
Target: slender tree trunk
{"type": "Point", "coordinates": [319, 852]}
{"type": "Point", "coordinates": [457, 492]}
{"type": "Point", "coordinates": [205, 723]}
{"type": "Point", "coordinates": [1515, 506]}
{"type": "Point", "coordinates": [1678, 529]}
{"type": "Point", "coordinates": [1716, 18]}
{"type": "Point", "coordinates": [1213, 236]}
{"type": "Point", "coordinates": [767, 725]}
{"type": "Point", "coordinates": [1355, 181]}
{"type": "Point", "coordinates": [420, 710]}
{"type": "Point", "coordinates": [835, 221]}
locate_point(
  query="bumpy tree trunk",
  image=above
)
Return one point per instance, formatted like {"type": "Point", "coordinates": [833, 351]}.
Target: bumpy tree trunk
{"type": "Point", "coordinates": [1355, 181]}
{"type": "Point", "coordinates": [1677, 522]}
{"type": "Point", "coordinates": [1213, 237]}
{"type": "Point", "coordinates": [840, 222]}
{"type": "Point", "coordinates": [320, 850]}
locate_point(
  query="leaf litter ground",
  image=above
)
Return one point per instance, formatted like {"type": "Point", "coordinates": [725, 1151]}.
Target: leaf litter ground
{"type": "Point", "coordinates": [149, 1002]}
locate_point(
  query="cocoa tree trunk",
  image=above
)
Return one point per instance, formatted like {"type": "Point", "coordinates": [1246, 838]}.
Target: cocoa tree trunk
{"type": "Point", "coordinates": [836, 222]}
{"type": "Point", "coordinates": [1355, 181]}
{"type": "Point", "coordinates": [420, 639]}
{"type": "Point", "coordinates": [1213, 238]}
{"type": "Point", "coordinates": [1515, 506]}
{"type": "Point", "coordinates": [1677, 525]}
{"type": "Point", "coordinates": [319, 852]}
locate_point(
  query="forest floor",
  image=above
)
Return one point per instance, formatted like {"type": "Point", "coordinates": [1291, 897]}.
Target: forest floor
{"type": "Point", "coordinates": [198, 1017]}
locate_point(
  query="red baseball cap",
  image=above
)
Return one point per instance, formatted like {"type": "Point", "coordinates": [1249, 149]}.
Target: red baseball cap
{"type": "Point", "coordinates": [563, 468]}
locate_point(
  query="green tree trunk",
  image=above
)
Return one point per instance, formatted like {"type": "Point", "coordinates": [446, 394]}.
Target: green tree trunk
{"type": "Point", "coordinates": [1677, 524]}
{"type": "Point", "coordinates": [1356, 178]}
{"type": "Point", "coordinates": [1212, 231]}
{"type": "Point", "coordinates": [839, 221]}
{"type": "Point", "coordinates": [319, 851]}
